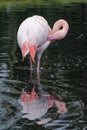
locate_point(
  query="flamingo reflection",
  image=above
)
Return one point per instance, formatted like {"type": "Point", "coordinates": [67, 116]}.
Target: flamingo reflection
{"type": "Point", "coordinates": [36, 104]}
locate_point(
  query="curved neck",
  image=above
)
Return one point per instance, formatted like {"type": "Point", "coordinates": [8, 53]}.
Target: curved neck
{"type": "Point", "coordinates": [59, 30]}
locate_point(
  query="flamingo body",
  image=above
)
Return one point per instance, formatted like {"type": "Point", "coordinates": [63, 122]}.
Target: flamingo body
{"type": "Point", "coordinates": [35, 35]}
{"type": "Point", "coordinates": [34, 30]}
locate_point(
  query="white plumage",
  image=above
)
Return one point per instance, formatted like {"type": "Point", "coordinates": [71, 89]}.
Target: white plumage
{"type": "Point", "coordinates": [35, 29]}
{"type": "Point", "coordinates": [35, 35]}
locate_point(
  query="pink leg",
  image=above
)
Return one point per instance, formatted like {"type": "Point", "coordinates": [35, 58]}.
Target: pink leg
{"type": "Point", "coordinates": [30, 69]}
{"type": "Point", "coordinates": [38, 77]}
{"type": "Point", "coordinates": [30, 63]}
{"type": "Point", "coordinates": [38, 70]}
{"type": "Point", "coordinates": [38, 65]}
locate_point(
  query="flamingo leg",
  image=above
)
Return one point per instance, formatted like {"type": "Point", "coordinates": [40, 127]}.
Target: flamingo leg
{"type": "Point", "coordinates": [38, 65]}
{"type": "Point", "coordinates": [38, 70]}
{"type": "Point", "coordinates": [40, 51]}
{"type": "Point", "coordinates": [30, 63]}
{"type": "Point", "coordinates": [30, 69]}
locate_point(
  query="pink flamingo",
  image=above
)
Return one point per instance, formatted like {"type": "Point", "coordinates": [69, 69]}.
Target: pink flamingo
{"type": "Point", "coordinates": [35, 35]}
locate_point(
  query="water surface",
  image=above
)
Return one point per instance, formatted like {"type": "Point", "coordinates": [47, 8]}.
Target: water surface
{"type": "Point", "coordinates": [63, 69]}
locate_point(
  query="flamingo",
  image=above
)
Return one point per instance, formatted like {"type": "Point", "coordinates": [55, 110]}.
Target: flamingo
{"type": "Point", "coordinates": [35, 35]}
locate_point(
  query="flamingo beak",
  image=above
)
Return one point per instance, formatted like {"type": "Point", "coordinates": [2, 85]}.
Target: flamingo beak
{"type": "Point", "coordinates": [52, 37]}
{"type": "Point", "coordinates": [32, 50]}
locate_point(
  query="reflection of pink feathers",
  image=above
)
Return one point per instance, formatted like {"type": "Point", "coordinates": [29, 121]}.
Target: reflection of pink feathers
{"type": "Point", "coordinates": [35, 106]}
{"type": "Point", "coordinates": [26, 98]}
{"type": "Point", "coordinates": [61, 106]}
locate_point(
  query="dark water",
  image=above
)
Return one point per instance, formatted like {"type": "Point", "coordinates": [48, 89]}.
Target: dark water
{"type": "Point", "coordinates": [63, 70]}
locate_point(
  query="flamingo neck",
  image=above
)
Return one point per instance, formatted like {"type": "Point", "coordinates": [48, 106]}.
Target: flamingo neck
{"type": "Point", "coordinates": [59, 30]}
